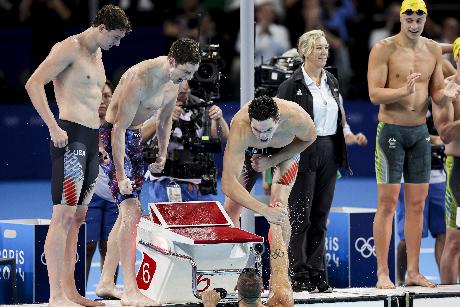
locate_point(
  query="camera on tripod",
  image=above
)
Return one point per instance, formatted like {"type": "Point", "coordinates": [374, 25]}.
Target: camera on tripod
{"type": "Point", "coordinates": [206, 80]}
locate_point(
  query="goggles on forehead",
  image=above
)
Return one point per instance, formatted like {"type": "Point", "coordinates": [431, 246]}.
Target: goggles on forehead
{"type": "Point", "coordinates": [409, 12]}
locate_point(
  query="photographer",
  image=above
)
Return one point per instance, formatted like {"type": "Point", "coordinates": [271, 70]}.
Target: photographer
{"type": "Point", "coordinates": [186, 167]}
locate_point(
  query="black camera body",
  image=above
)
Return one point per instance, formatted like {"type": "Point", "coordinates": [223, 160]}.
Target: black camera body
{"type": "Point", "coordinates": [206, 80]}
{"type": "Point", "coordinates": [268, 77]}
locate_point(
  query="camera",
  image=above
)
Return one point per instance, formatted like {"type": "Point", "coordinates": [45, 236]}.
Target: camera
{"type": "Point", "coordinates": [268, 77]}
{"type": "Point", "coordinates": [206, 80]}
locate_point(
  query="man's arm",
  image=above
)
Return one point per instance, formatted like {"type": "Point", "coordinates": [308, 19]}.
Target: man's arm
{"type": "Point", "coordinates": [163, 129]}
{"type": "Point", "coordinates": [128, 97]}
{"type": "Point", "coordinates": [305, 133]}
{"type": "Point", "coordinates": [233, 165]}
{"type": "Point", "coordinates": [59, 58]}
{"type": "Point", "coordinates": [219, 127]}
{"type": "Point", "coordinates": [149, 128]}
{"type": "Point", "coordinates": [443, 116]}
{"type": "Point", "coordinates": [439, 93]}
{"type": "Point", "coordinates": [377, 74]}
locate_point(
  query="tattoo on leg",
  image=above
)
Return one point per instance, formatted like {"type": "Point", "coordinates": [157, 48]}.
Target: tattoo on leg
{"type": "Point", "coordinates": [277, 253]}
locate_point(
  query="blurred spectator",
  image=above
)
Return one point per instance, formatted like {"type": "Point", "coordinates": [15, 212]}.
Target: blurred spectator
{"type": "Point", "coordinates": [336, 15]}
{"type": "Point", "coordinates": [271, 39]}
{"type": "Point", "coordinates": [391, 27]}
{"type": "Point", "coordinates": [450, 31]}
{"type": "Point", "coordinates": [47, 19]}
{"type": "Point", "coordinates": [182, 22]}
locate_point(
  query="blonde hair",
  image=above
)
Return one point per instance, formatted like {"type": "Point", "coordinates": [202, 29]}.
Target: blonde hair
{"type": "Point", "coordinates": [306, 42]}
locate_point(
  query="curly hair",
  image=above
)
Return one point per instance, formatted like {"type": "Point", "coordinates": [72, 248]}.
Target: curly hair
{"type": "Point", "coordinates": [249, 286]}
{"type": "Point", "coordinates": [263, 108]}
{"type": "Point", "coordinates": [185, 50]}
{"type": "Point", "coordinates": [113, 18]}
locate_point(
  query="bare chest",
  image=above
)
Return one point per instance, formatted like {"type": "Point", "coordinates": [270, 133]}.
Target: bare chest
{"type": "Point", "coordinates": [405, 61]}
{"type": "Point", "coordinates": [87, 72]}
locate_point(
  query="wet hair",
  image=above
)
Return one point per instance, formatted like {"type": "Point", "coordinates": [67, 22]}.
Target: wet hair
{"type": "Point", "coordinates": [263, 108]}
{"type": "Point", "coordinates": [185, 50]}
{"type": "Point", "coordinates": [113, 18]}
{"type": "Point", "coordinates": [110, 85]}
{"type": "Point", "coordinates": [306, 42]}
{"type": "Point", "coordinates": [249, 286]}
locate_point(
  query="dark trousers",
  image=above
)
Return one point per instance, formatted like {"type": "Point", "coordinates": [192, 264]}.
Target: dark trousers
{"type": "Point", "coordinates": [309, 204]}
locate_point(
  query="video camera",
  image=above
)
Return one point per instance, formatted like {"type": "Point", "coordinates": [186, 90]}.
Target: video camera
{"type": "Point", "coordinates": [206, 80]}
{"type": "Point", "coordinates": [268, 77]}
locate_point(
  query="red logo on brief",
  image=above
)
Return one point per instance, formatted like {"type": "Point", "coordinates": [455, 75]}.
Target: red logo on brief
{"type": "Point", "coordinates": [146, 271]}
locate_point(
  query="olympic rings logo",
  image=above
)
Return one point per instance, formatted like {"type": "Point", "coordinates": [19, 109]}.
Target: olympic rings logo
{"type": "Point", "coordinates": [364, 247]}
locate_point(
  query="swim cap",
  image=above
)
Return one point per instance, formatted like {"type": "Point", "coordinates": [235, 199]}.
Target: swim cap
{"type": "Point", "coordinates": [413, 5]}
{"type": "Point", "coordinates": [456, 48]}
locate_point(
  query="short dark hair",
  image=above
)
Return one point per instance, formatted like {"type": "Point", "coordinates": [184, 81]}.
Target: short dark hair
{"type": "Point", "coordinates": [113, 18]}
{"type": "Point", "coordinates": [185, 50]}
{"type": "Point", "coordinates": [110, 85]}
{"type": "Point", "coordinates": [263, 108]}
{"type": "Point", "coordinates": [249, 286]}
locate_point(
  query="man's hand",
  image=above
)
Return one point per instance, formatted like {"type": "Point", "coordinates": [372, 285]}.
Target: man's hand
{"type": "Point", "coordinates": [126, 186]}
{"type": "Point", "coordinates": [260, 163]}
{"type": "Point", "coordinates": [359, 139]}
{"type": "Point", "coordinates": [103, 156]}
{"type": "Point", "coordinates": [59, 137]}
{"type": "Point", "coordinates": [210, 298]}
{"type": "Point", "coordinates": [215, 112]}
{"type": "Point", "coordinates": [275, 214]}
{"type": "Point", "coordinates": [452, 89]}
{"type": "Point", "coordinates": [177, 112]}
{"type": "Point", "coordinates": [410, 82]}
{"type": "Point", "coordinates": [158, 165]}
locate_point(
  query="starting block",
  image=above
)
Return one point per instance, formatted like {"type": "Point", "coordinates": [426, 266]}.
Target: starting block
{"type": "Point", "coordinates": [189, 247]}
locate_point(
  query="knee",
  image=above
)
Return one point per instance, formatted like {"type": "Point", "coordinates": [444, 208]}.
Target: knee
{"type": "Point", "coordinates": [415, 208]}
{"type": "Point", "coordinates": [79, 217]}
{"type": "Point", "coordinates": [452, 247]}
{"type": "Point", "coordinates": [387, 205]}
{"type": "Point", "coordinates": [64, 220]}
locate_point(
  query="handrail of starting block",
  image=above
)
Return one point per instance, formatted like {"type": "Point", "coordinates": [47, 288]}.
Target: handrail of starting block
{"type": "Point", "coordinates": [195, 271]}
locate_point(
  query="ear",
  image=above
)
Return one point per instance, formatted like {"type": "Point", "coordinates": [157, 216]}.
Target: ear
{"type": "Point", "coordinates": [171, 61]}
{"type": "Point", "coordinates": [101, 28]}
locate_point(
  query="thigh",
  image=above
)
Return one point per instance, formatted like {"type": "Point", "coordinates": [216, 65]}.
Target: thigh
{"type": "Point", "coordinates": [417, 165]}
{"type": "Point", "coordinates": [389, 154]}
{"type": "Point", "coordinates": [284, 177]}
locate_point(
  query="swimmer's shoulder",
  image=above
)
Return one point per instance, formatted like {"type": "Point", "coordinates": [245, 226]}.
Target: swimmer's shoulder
{"type": "Point", "coordinates": [431, 45]}
{"type": "Point", "coordinates": [387, 45]}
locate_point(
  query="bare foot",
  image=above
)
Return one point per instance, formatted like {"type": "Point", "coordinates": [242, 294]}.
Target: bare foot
{"type": "Point", "coordinates": [77, 298]}
{"type": "Point", "coordinates": [418, 280]}
{"type": "Point", "coordinates": [384, 282]}
{"type": "Point", "coordinates": [62, 302]}
{"type": "Point", "coordinates": [108, 292]}
{"type": "Point", "coordinates": [136, 299]}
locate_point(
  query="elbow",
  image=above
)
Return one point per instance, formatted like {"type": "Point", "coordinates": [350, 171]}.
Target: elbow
{"type": "Point", "coordinates": [30, 84]}
{"type": "Point", "coordinates": [225, 185]}
{"type": "Point", "coordinates": [373, 98]}
{"type": "Point", "coordinates": [446, 138]}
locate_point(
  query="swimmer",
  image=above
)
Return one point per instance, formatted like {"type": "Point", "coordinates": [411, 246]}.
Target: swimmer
{"type": "Point", "coordinates": [402, 70]}
{"type": "Point", "coordinates": [76, 69]}
{"type": "Point", "coordinates": [147, 89]}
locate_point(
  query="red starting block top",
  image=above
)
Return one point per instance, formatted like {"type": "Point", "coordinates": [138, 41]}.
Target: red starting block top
{"type": "Point", "coordinates": [203, 222]}
{"type": "Point", "coordinates": [188, 214]}
{"type": "Point", "coordinates": [217, 234]}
